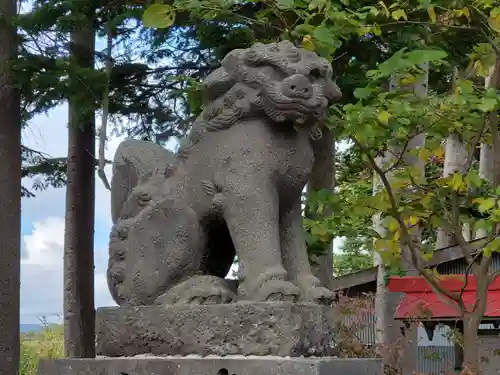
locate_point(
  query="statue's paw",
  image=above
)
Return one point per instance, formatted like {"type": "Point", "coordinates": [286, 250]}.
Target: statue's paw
{"type": "Point", "coordinates": [209, 295]}
{"type": "Point", "coordinates": [277, 291]}
{"type": "Point", "coordinates": [318, 294]}
{"type": "Point", "coordinates": [198, 290]}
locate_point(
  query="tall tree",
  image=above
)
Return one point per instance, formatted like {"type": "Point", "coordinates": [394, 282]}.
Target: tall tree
{"type": "Point", "coordinates": [489, 159]}
{"type": "Point", "coordinates": [455, 155]}
{"type": "Point", "coordinates": [79, 314]}
{"type": "Point", "coordinates": [10, 194]}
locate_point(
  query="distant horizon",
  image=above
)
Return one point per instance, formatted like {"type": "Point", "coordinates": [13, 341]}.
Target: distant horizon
{"type": "Point", "coordinates": [30, 327]}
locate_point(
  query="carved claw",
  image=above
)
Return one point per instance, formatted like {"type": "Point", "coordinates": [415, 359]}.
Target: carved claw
{"type": "Point", "coordinates": [277, 291]}
{"type": "Point", "coordinates": [209, 296]}
{"type": "Point", "coordinates": [199, 290]}
{"type": "Point", "coordinates": [318, 295]}
{"type": "Point", "coordinates": [144, 199]}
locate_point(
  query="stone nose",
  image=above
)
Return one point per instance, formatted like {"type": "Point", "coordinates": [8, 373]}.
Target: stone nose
{"type": "Point", "coordinates": [298, 86]}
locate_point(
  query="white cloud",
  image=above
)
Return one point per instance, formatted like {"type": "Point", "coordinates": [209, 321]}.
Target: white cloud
{"type": "Point", "coordinates": [41, 247]}
{"type": "Point", "coordinates": [43, 226]}
{"type": "Point", "coordinates": [43, 240]}
{"type": "Point", "coordinates": [42, 272]}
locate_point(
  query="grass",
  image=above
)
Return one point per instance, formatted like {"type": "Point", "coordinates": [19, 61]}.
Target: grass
{"type": "Point", "coordinates": [48, 343]}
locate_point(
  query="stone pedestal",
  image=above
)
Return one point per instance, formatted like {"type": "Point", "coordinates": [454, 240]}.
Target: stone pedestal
{"type": "Point", "coordinates": [211, 366]}
{"type": "Point", "coordinates": [242, 338]}
{"type": "Point", "coordinates": [280, 329]}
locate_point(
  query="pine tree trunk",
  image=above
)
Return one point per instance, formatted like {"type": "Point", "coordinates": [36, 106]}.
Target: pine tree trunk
{"type": "Point", "coordinates": [323, 177]}
{"type": "Point", "coordinates": [10, 198]}
{"type": "Point", "coordinates": [79, 313]}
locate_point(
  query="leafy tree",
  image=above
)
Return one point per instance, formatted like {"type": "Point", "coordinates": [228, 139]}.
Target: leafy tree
{"type": "Point", "coordinates": [79, 314]}
{"type": "Point", "coordinates": [355, 255]}
{"type": "Point", "coordinates": [390, 43]}
{"type": "Point", "coordinates": [381, 121]}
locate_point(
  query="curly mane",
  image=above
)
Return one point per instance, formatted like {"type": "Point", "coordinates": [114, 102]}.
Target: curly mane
{"type": "Point", "coordinates": [220, 91]}
{"type": "Point", "coordinates": [234, 91]}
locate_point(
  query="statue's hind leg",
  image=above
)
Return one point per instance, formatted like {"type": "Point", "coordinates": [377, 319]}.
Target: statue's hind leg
{"type": "Point", "coordinates": [159, 256]}
{"type": "Point", "coordinates": [154, 251]}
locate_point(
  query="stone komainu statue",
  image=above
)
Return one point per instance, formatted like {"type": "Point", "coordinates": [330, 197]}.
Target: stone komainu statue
{"type": "Point", "coordinates": [234, 188]}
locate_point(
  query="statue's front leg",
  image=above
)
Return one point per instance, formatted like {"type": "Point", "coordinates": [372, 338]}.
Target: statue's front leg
{"type": "Point", "coordinates": [251, 214]}
{"type": "Point", "coordinates": [295, 259]}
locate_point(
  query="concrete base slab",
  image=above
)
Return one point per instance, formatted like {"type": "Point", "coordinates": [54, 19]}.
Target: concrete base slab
{"type": "Point", "coordinates": [211, 366]}
{"type": "Point", "coordinates": [262, 329]}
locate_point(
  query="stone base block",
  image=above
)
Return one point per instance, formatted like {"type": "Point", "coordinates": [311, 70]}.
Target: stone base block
{"type": "Point", "coordinates": [211, 366]}
{"type": "Point", "coordinates": [262, 329]}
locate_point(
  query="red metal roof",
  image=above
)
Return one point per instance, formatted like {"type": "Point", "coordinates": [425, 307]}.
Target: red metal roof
{"type": "Point", "coordinates": [421, 301]}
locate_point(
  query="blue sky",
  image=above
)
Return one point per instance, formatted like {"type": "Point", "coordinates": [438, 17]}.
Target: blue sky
{"type": "Point", "coordinates": [42, 222]}
{"type": "Point", "coordinates": [42, 225]}
{"type": "Point", "coordinates": [42, 228]}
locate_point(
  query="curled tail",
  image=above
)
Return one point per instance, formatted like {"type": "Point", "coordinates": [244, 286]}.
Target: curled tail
{"type": "Point", "coordinates": [134, 162]}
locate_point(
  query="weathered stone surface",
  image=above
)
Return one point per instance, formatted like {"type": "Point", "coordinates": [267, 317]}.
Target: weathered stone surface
{"type": "Point", "coordinates": [211, 366]}
{"type": "Point", "coordinates": [282, 329]}
{"type": "Point", "coordinates": [119, 366]}
{"type": "Point", "coordinates": [235, 187]}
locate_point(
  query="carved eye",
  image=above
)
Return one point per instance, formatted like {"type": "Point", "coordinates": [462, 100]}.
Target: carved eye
{"type": "Point", "coordinates": [315, 73]}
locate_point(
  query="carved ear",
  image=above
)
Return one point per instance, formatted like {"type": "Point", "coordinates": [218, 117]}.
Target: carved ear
{"type": "Point", "coordinates": [234, 60]}
{"type": "Point", "coordinates": [215, 85]}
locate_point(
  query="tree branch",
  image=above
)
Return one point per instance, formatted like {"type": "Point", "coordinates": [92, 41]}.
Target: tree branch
{"type": "Point", "coordinates": [105, 114]}
{"type": "Point", "coordinates": [405, 235]}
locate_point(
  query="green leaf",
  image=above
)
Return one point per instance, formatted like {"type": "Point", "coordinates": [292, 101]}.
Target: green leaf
{"type": "Point", "coordinates": [421, 56]}
{"type": "Point", "coordinates": [481, 224]}
{"type": "Point", "coordinates": [493, 246]}
{"type": "Point", "coordinates": [494, 23]}
{"type": "Point", "coordinates": [487, 104]}
{"type": "Point", "coordinates": [457, 182]}
{"type": "Point", "coordinates": [324, 35]}
{"type": "Point", "coordinates": [384, 117]}
{"type": "Point", "coordinates": [316, 4]}
{"type": "Point", "coordinates": [426, 253]}
{"type": "Point", "coordinates": [284, 4]}
{"type": "Point", "coordinates": [398, 14]}
{"type": "Point", "coordinates": [391, 224]}
{"type": "Point", "coordinates": [304, 29]}
{"type": "Point", "coordinates": [363, 92]}
{"type": "Point", "coordinates": [159, 16]}
{"type": "Point", "coordinates": [308, 44]}
{"type": "Point", "coordinates": [486, 205]}
{"type": "Point", "coordinates": [472, 179]}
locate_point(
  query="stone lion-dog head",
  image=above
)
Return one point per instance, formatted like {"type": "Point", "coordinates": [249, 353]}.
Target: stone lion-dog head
{"type": "Point", "coordinates": [278, 81]}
